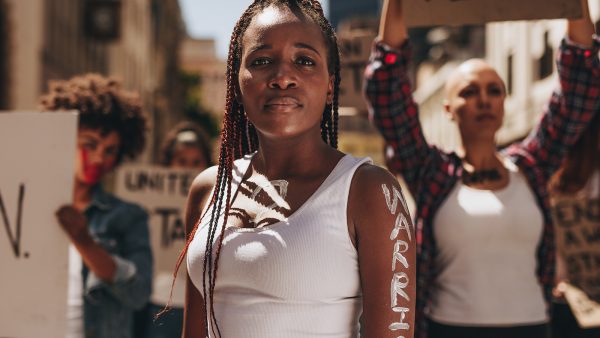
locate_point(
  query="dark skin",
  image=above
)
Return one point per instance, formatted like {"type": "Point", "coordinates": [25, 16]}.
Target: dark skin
{"type": "Point", "coordinates": [284, 85]}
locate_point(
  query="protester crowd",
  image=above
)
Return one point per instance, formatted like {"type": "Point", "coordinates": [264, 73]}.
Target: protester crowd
{"type": "Point", "coordinates": [286, 236]}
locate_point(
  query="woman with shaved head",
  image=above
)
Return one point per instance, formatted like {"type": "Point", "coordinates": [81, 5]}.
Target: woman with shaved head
{"type": "Point", "coordinates": [486, 253]}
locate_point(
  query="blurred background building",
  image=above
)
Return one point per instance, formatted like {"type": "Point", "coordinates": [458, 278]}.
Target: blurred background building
{"type": "Point", "coordinates": [434, 48]}
{"type": "Point", "coordinates": [144, 42]}
{"type": "Point", "coordinates": [168, 33]}
{"type": "Point", "coordinates": [343, 10]}
{"type": "Point", "coordinates": [136, 41]}
{"type": "Point", "coordinates": [522, 52]}
{"type": "Point", "coordinates": [205, 83]}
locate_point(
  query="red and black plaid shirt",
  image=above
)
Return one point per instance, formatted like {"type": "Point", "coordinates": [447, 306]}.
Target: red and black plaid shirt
{"type": "Point", "coordinates": [431, 173]}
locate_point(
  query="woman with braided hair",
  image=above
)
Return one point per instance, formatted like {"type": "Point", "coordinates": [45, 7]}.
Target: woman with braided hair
{"type": "Point", "coordinates": [287, 236]}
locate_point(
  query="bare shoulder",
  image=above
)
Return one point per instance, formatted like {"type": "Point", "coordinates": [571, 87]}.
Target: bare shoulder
{"type": "Point", "coordinates": [204, 182]}
{"type": "Point", "coordinates": [198, 196]}
{"type": "Point", "coordinates": [374, 191]}
{"type": "Point", "coordinates": [370, 180]}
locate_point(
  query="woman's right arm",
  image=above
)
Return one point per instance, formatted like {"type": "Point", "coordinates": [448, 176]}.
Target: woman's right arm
{"type": "Point", "coordinates": [194, 318]}
{"type": "Point", "coordinates": [573, 103]}
{"type": "Point", "coordinates": [392, 29]}
{"type": "Point", "coordinates": [391, 104]}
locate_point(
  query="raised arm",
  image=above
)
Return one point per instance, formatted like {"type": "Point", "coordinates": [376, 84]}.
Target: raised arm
{"type": "Point", "coordinates": [573, 103]}
{"type": "Point", "coordinates": [391, 105]}
{"type": "Point", "coordinates": [386, 245]}
{"type": "Point", "coordinates": [392, 30]}
{"type": "Point", "coordinates": [580, 31]}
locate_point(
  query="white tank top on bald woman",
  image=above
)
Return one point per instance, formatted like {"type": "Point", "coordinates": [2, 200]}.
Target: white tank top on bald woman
{"type": "Point", "coordinates": [486, 262]}
{"type": "Point", "coordinates": [295, 278]}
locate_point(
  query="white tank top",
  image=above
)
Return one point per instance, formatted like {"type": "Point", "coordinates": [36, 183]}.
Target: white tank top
{"type": "Point", "coordinates": [295, 278]}
{"type": "Point", "coordinates": [487, 243]}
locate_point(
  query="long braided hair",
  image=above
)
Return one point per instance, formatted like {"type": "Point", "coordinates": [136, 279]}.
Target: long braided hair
{"type": "Point", "coordinates": [239, 138]}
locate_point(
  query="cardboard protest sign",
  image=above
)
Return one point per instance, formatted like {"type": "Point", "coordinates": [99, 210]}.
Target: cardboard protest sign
{"type": "Point", "coordinates": [463, 12]}
{"type": "Point", "coordinates": [37, 152]}
{"type": "Point", "coordinates": [577, 228]}
{"type": "Point", "coordinates": [355, 48]}
{"type": "Point", "coordinates": [163, 193]}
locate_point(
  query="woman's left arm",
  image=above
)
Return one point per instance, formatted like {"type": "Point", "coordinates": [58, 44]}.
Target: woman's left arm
{"type": "Point", "coordinates": [573, 104]}
{"type": "Point", "coordinates": [384, 236]}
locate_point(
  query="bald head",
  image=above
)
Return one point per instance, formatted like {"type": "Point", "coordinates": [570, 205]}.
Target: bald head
{"type": "Point", "coordinates": [468, 72]}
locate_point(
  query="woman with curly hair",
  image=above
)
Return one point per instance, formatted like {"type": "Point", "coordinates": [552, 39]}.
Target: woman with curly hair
{"type": "Point", "coordinates": [289, 237]}
{"type": "Point", "coordinates": [110, 260]}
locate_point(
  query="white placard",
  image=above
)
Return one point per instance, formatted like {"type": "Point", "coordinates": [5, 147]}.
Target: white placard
{"type": "Point", "coordinates": [463, 12]}
{"type": "Point", "coordinates": [37, 152]}
{"type": "Point", "coordinates": [163, 193]}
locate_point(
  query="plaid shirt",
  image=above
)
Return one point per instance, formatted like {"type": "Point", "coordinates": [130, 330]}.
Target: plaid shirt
{"type": "Point", "coordinates": [431, 173]}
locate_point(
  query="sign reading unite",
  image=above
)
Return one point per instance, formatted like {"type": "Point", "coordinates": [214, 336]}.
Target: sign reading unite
{"type": "Point", "coordinates": [163, 193]}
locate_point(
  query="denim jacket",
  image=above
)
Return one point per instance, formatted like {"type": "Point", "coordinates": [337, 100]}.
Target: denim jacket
{"type": "Point", "coordinates": [121, 228]}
